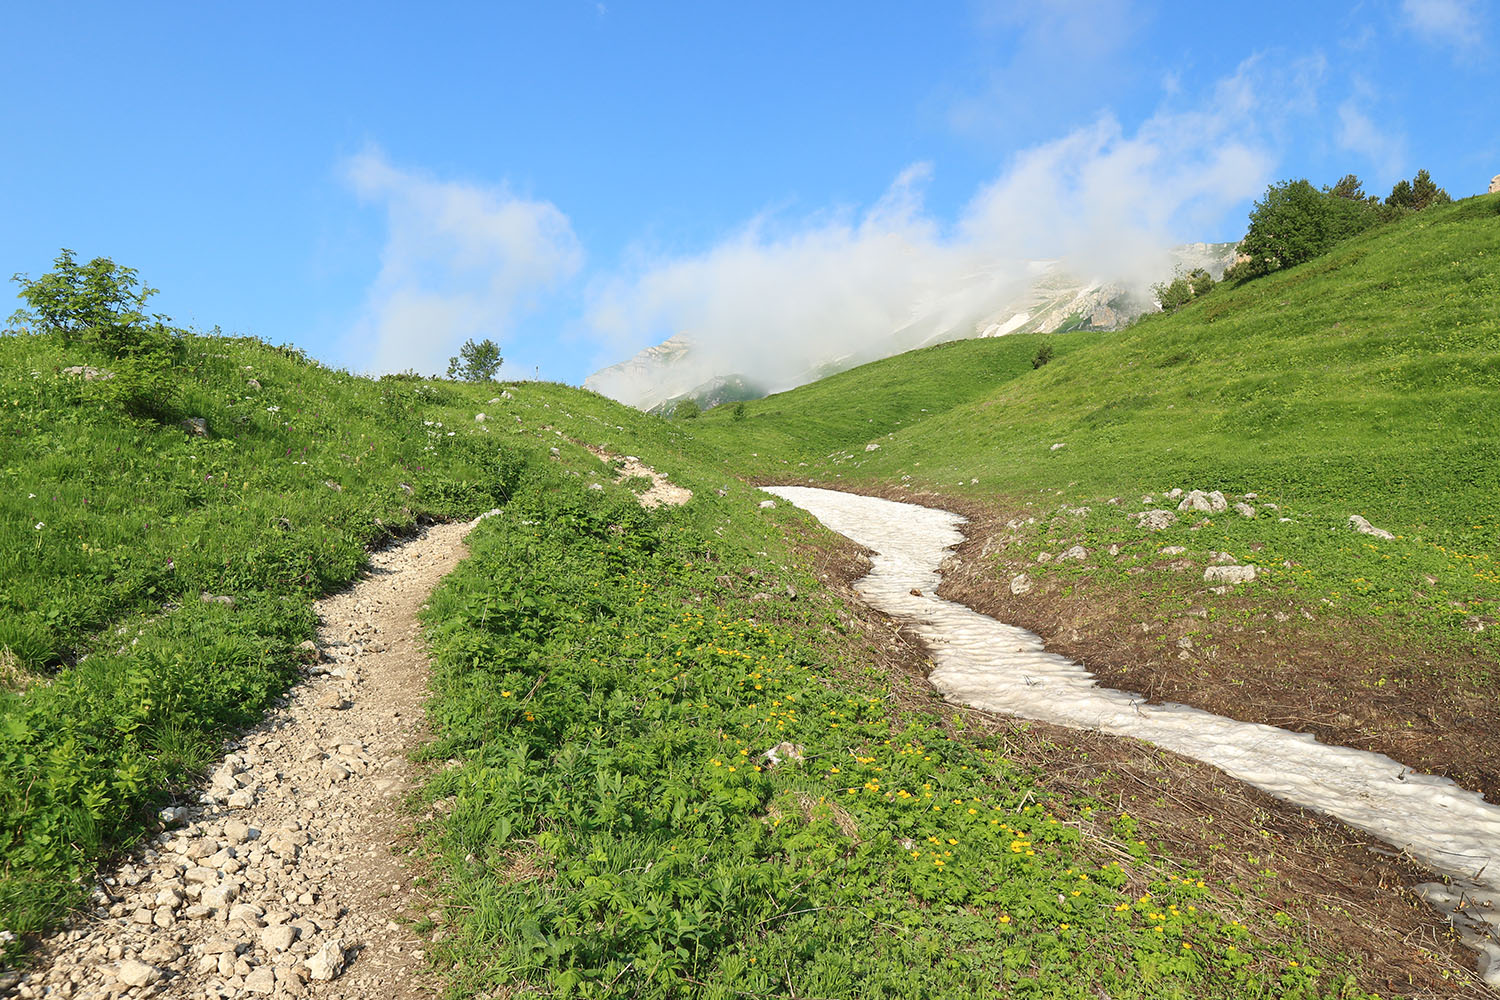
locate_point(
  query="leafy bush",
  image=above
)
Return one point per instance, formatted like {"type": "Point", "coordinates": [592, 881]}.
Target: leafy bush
{"type": "Point", "coordinates": [1295, 222]}
{"type": "Point", "coordinates": [1417, 194]}
{"type": "Point", "coordinates": [476, 362]}
{"type": "Point", "coordinates": [686, 409]}
{"type": "Point", "coordinates": [100, 305]}
{"type": "Point", "coordinates": [1042, 356]}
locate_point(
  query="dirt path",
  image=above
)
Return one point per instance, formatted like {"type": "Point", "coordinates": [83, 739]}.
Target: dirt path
{"type": "Point", "coordinates": [287, 879]}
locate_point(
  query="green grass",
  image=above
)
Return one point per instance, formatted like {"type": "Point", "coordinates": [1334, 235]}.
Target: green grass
{"type": "Point", "coordinates": [1365, 382]}
{"type": "Point", "coordinates": [608, 685]}
{"type": "Point", "coordinates": [119, 681]}
{"type": "Point", "coordinates": [596, 676]}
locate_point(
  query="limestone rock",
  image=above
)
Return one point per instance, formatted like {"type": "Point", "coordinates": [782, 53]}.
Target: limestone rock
{"type": "Point", "coordinates": [767, 504]}
{"type": "Point", "coordinates": [872, 446]}
{"type": "Point", "coordinates": [262, 981]}
{"type": "Point", "coordinates": [1364, 527]}
{"type": "Point", "coordinates": [1154, 520]}
{"type": "Point", "coordinates": [327, 962]}
{"type": "Point", "coordinates": [1495, 184]}
{"type": "Point", "coordinates": [133, 973]}
{"type": "Point", "coordinates": [89, 373]}
{"type": "Point", "coordinates": [1244, 510]}
{"type": "Point", "coordinates": [1075, 554]}
{"type": "Point", "coordinates": [1060, 444]}
{"type": "Point", "coordinates": [1229, 574]}
{"type": "Point", "coordinates": [1207, 503]}
{"type": "Point", "coordinates": [196, 426]}
{"type": "Point", "coordinates": [1020, 584]}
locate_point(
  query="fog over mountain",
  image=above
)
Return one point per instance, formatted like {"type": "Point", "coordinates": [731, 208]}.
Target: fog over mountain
{"type": "Point", "coordinates": [1081, 225]}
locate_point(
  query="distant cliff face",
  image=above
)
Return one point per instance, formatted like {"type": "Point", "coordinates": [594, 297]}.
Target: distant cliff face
{"type": "Point", "coordinates": [1050, 300]}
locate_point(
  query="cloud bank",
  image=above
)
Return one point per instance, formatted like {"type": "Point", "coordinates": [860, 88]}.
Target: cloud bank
{"type": "Point", "coordinates": [772, 301]}
{"type": "Point", "coordinates": [1453, 23]}
{"type": "Point", "coordinates": [460, 260]}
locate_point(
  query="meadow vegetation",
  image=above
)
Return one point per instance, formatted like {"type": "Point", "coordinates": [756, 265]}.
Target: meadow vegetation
{"type": "Point", "coordinates": [670, 767]}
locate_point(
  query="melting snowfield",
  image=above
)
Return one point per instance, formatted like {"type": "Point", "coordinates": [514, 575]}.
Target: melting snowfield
{"type": "Point", "coordinates": [1002, 668]}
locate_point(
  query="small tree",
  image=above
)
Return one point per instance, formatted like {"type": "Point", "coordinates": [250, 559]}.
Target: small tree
{"type": "Point", "coordinates": [476, 362]}
{"type": "Point", "coordinates": [686, 409]}
{"type": "Point", "coordinates": [1418, 193]}
{"type": "Point", "coordinates": [1296, 222]}
{"type": "Point", "coordinates": [100, 304]}
{"type": "Point", "coordinates": [1349, 188]}
{"type": "Point", "coordinates": [1042, 356]}
{"type": "Point", "coordinates": [738, 413]}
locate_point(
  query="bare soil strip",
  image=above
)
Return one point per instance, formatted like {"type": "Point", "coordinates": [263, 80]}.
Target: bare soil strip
{"type": "Point", "coordinates": [290, 877]}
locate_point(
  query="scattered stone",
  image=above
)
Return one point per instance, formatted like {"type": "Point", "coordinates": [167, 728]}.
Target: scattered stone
{"type": "Point", "coordinates": [1244, 510]}
{"type": "Point", "coordinates": [261, 981]}
{"type": "Point", "coordinates": [1044, 557]}
{"type": "Point", "coordinates": [479, 418]}
{"type": "Point", "coordinates": [89, 373]}
{"type": "Point", "coordinates": [1229, 574]}
{"type": "Point", "coordinates": [783, 752]}
{"type": "Point", "coordinates": [1495, 184]}
{"type": "Point", "coordinates": [196, 426]}
{"type": "Point", "coordinates": [872, 446]}
{"type": "Point", "coordinates": [1172, 550]}
{"type": "Point", "coordinates": [1364, 527]}
{"type": "Point", "coordinates": [1154, 520]}
{"type": "Point", "coordinates": [172, 815]}
{"type": "Point", "coordinates": [767, 504]}
{"type": "Point", "coordinates": [133, 973]}
{"type": "Point", "coordinates": [1173, 493]}
{"type": "Point", "coordinates": [1020, 584]}
{"type": "Point", "coordinates": [278, 938]}
{"type": "Point", "coordinates": [505, 394]}
{"type": "Point", "coordinates": [333, 486]}
{"type": "Point", "coordinates": [327, 962]}
{"type": "Point", "coordinates": [253, 383]}
{"type": "Point", "coordinates": [1060, 444]}
{"type": "Point", "coordinates": [1207, 503]}
{"type": "Point", "coordinates": [1114, 550]}
{"type": "Point", "coordinates": [224, 599]}
{"type": "Point", "coordinates": [1075, 554]}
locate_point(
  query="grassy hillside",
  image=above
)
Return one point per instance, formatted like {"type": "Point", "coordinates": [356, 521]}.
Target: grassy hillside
{"type": "Point", "coordinates": [607, 676]}
{"type": "Point", "coordinates": [1365, 382]}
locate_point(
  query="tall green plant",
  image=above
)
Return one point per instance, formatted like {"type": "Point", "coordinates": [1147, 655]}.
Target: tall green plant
{"type": "Point", "coordinates": [101, 305]}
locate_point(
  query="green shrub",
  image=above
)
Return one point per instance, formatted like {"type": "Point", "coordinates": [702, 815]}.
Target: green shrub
{"type": "Point", "coordinates": [1042, 356]}
{"type": "Point", "coordinates": [1295, 222]}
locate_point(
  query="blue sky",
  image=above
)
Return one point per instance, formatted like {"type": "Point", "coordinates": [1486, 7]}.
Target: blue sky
{"type": "Point", "coordinates": [374, 182]}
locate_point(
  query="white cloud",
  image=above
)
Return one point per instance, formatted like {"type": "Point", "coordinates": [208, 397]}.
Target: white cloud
{"type": "Point", "coordinates": [460, 260]}
{"type": "Point", "coordinates": [770, 301]}
{"type": "Point", "coordinates": [1445, 22]}
{"type": "Point", "coordinates": [1358, 133]}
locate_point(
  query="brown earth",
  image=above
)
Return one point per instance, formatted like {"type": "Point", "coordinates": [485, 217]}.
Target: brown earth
{"type": "Point", "coordinates": [1339, 890]}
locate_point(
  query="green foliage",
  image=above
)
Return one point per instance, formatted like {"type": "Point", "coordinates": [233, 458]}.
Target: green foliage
{"type": "Point", "coordinates": [686, 409]}
{"type": "Point", "coordinates": [1295, 222]}
{"type": "Point", "coordinates": [738, 413]}
{"type": "Point", "coordinates": [616, 830]}
{"type": "Point", "coordinates": [99, 305]}
{"type": "Point", "coordinates": [1362, 382]}
{"type": "Point", "coordinates": [1178, 292]}
{"type": "Point", "coordinates": [1043, 354]}
{"type": "Point", "coordinates": [1417, 194]}
{"type": "Point", "coordinates": [476, 362]}
{"type": "Point", "coordinates": [1349, 187]}
{"type": "Point", "coordinates": [109, 522]}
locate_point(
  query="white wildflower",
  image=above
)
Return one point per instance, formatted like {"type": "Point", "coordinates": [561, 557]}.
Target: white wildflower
{"type": "Point", "coordinates": [40, 525]}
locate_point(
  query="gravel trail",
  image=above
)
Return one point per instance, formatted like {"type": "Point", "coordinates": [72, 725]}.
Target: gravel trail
{"type": "Point", "coordinates": [287, 878]}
